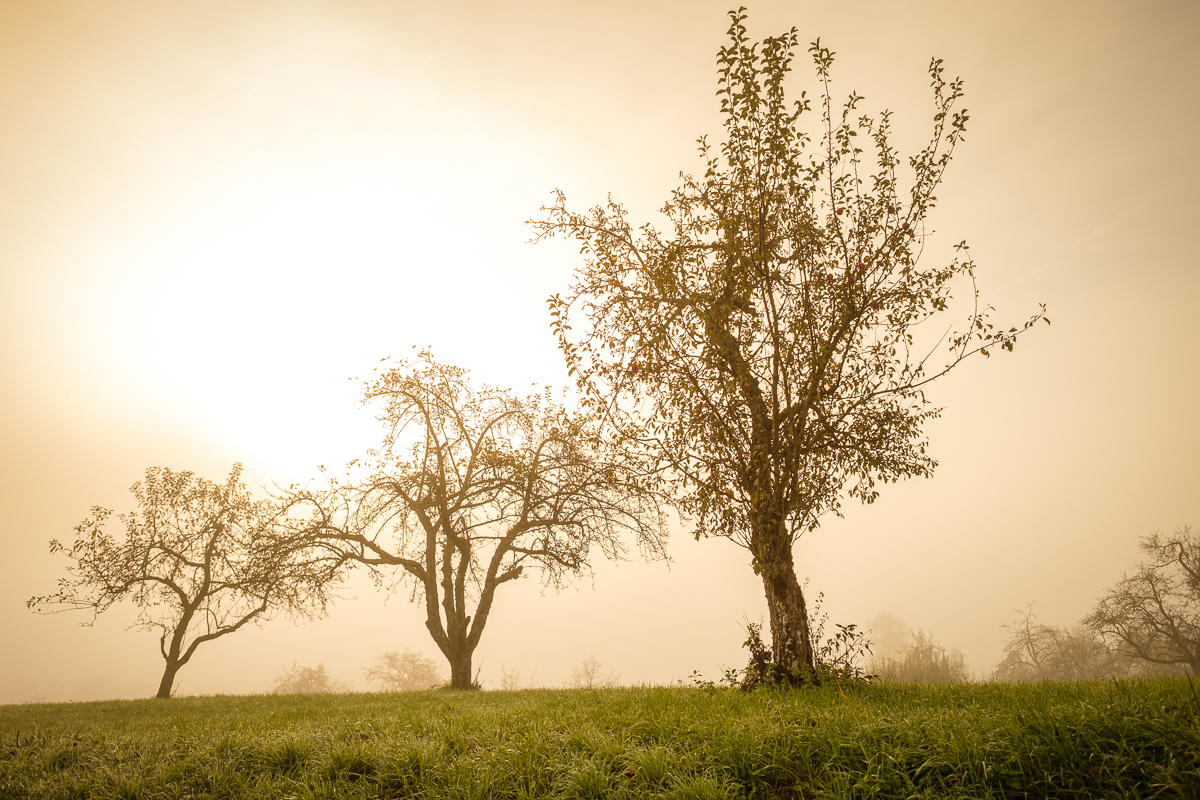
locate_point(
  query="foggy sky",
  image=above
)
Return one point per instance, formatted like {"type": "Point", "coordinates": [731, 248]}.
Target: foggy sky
{"type": "Point", "coordinates": [216, 219]}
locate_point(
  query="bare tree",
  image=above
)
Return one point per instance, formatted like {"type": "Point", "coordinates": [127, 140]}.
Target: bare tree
{"type": "Point", "coordinates": [199, 559]}
{"type": "Point", "coordinates": [308, 680]}
{"type": "Point", "coordinates": [1036, 652]}
{"type": "Point", "coordinates": [1032, 651]}
{"type": "Point", "coordinates": [511, 680]}
{"type": "Point", "coordinates": [403, 672]}
{"type": "Point", "coordinates": [1154, 614]}
{"type": "Point", "coordinates": [763, 348]}
{"type": "Point", "coordinates": [471, 488]}
{"type": "Point", "coordinates": [591, 675]}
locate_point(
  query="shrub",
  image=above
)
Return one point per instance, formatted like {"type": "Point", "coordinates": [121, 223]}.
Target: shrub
{"type": "Point", "coordinates": [403, 672]}
{"type": "Point", "coordinates": [308, 680]}
{"type": "Point", "coordinates": [923, 660]}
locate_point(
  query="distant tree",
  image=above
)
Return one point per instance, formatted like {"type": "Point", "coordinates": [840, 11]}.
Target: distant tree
{"type": "Point", "coordinates": [308, 680]}
{"type": "Point", "coordinates": [923, 660]}
{"type": "Point", "coordinates": [591, 675]}
{"type": "Point", "coordinates": [889, 634]}
{"type": "Point", "coordinates": [199, 559]}
{"type": "Point", "coordinates": [1153, 615]}
{"type": "Point", "coordinates": [764, 348]}
{"type": "Point", "coordinates": [403, 672]}
{"type": "Point", "coordinates": [511, 680]}
{"type": "Point", "coordinates": [1037, 652]}
{"type": "Point", "coordinates": [471, 488]}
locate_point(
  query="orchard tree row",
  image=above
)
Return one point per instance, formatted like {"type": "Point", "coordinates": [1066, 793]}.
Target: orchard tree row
{"type": "Point", "coordinates": [754, 365]}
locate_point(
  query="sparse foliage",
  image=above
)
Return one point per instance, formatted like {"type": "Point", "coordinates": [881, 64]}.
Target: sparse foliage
{"type": "Point", "coordinates": [511, 680]}
{"type": "Point", "coordinates": [591, 675]}
{"type": "Point", "coordinates": [471, 488]}
{"type": "Point", "coordinates": [731, 678]}
{"type": "Point", "coordinates": [763, 348]}
{"type": "Point", "coordinates": [308, 680]}
{"type": "Point", "coordinates": [840, 656]}
{"type": "Point", "coordinates": [403, 672]}
{"type": "Point", "coordinates": [200, 560]}
{"type": "Point", "coordinates": [923, 660]}
{"type": "Point", "coordinates": [1153, 615]}
{"type": "Point", "coordinates": [1037, 652]}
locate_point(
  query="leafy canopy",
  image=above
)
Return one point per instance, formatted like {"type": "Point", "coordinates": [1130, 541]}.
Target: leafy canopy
{"type": "Point", "coordinates": [763, 346]}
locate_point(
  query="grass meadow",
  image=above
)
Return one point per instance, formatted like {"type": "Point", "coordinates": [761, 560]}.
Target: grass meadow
{"type": "Point", "coordinates": [1113, 739]}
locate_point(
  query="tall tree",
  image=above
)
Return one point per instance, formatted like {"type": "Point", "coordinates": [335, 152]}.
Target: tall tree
{"type": "Point", "coordinates": [764, 347]}
{"type": "Point", "coordinates": [1153, 615]}
{"type": "Point", "coordinates": [199, 559]}
{"type": "Point", "coordinates": [472, 487]}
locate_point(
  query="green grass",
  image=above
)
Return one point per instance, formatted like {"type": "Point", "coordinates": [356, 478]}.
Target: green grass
{"type": "Point", "coordinates": [1127, 739]}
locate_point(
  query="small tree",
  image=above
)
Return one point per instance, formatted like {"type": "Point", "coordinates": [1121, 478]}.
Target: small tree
{"type": "Point", "coordinates": [470, 488]}
{"type": "Point", "coordinates": [763, 348]}
{"type": "Point", "coordinates": [591, 675]}
{"type": "Point", "coordinates": [403, 672]}
{"type": "Point", "coordinates": [511, 680]}
{"type": "Point", "coordinates": [198, 559]}
{"type": "Point", "coordinates": [923, 660]}
{"type": "Point", "coordinates": [1153, 615]}
{"type": "Point", "coordinates": [308, 680]}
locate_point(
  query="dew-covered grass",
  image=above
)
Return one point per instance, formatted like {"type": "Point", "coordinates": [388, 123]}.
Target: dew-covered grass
{"type": "Point", "coordinates": [1114, 739]}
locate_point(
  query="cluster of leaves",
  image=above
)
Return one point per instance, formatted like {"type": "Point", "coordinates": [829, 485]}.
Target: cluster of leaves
{"type": "Point", "coordinates": [838, 659]}
{"type": "Point", "coordinates": [776, 314]}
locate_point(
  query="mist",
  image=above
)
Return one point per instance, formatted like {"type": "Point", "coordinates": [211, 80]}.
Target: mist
{"type": "Point", "coordinates": [216, 220]}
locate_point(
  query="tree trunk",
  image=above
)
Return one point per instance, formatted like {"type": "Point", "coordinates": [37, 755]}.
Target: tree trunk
{"type": "Point", "coordinates": [460, 669]}
{"type": "Point", "coordinates": [791, 639]}
{"type": "Point", "coordinates": [168, 680]}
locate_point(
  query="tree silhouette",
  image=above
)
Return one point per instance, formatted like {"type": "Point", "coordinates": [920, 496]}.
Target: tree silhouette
{"type": "Point", "coordinates": [763, 348]}
{"type": "Point", "coordinates": [471, 488]}
{"type": "Point", "coordinates": [199, 559]}
{"type": "Point", "coordinates": [1153, 615]}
